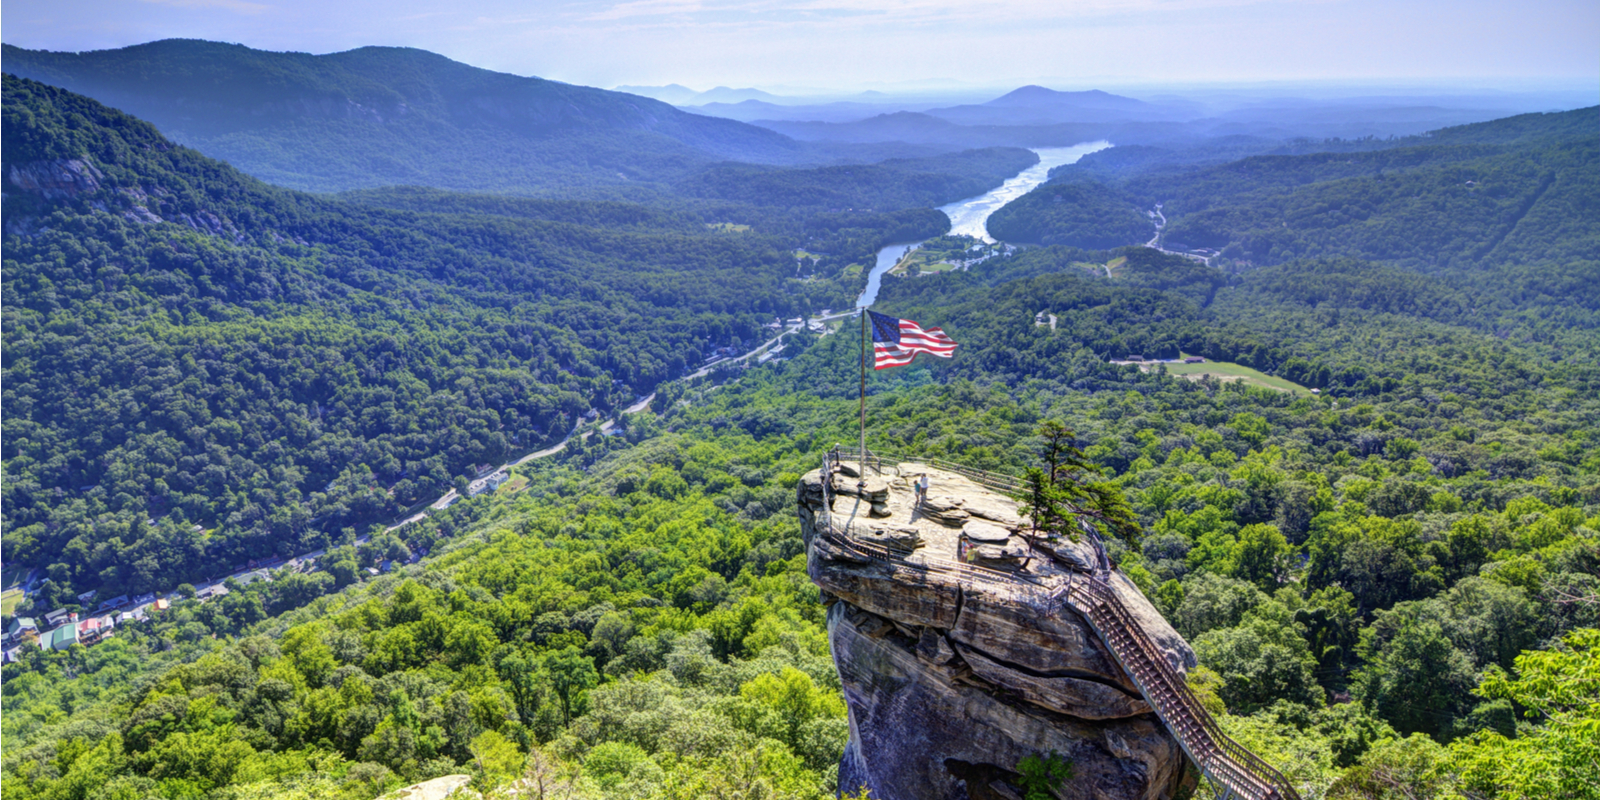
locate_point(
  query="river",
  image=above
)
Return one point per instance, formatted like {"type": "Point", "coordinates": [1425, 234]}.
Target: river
{"type": "Point", "coordinates": [967, 217]}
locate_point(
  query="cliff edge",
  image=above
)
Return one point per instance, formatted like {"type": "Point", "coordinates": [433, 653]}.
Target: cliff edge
{"type": "Point", "coordinates": [951, 677]}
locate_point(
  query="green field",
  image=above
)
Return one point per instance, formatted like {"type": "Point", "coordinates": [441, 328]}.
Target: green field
{"type": "Point", "coordinates": [1224, 371]}
{"type": "Point", "coordinates": [727, 227]}
{"type": "Point", "coordinates": [516, 484]}
{"type": "Point", "coordinates": [9, 600]}
{"type": "Point", "coordinates": [926, 262]}
{"type": "Point", "coordinates": [12, 575]}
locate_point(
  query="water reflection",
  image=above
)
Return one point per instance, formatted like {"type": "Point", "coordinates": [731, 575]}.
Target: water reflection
{"type": "Point", "coordinates": [968, 217]}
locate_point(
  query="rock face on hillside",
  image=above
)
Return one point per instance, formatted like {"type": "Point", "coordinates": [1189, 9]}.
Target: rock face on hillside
{"type": "Point", "coordinates": [951, 683]}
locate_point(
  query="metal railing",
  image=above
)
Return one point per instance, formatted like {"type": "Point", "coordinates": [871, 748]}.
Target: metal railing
{"type": "Point", "coordinates": [1218, 756]}
{"type": "Point", "coordinates": [1010, 484]}
{"type": "Point", "coordinates": [1228, 765]}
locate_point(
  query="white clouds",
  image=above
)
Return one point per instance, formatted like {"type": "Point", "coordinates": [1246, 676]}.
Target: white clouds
{"type": "Point", "coordinates": [850, 43]}
{"type": "Point", "coordinates": [644, 8]}
{"type": "Point", "coordinates": [236, 6]}
{"type": "Point", "coordinates": [761, 13]}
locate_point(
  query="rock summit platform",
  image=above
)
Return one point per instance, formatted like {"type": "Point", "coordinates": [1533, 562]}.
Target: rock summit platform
{"type": "Point", "coordinates": [956, 657]}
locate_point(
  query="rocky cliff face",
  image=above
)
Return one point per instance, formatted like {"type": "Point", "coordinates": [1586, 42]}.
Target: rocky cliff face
{"type": "Point", "coordinates": [951, 683]}
{"type": "Point", "coordinates": [58, 179]}
{"type": "Point", "coordinates": [78, 179]}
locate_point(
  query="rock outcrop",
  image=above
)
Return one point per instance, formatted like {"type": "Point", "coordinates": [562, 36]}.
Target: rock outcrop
{"type": "Point", "coordinates": [950, 682]}
{"type": "Point", "coordinates": [59, 179]}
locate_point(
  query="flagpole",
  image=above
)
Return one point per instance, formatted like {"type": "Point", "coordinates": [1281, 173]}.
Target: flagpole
{"type": "Point", "coordinates": [863, 395]}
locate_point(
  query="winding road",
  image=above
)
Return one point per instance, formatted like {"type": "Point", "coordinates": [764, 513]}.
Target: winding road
{"type": "Point", "coordinates": [1155, 241]}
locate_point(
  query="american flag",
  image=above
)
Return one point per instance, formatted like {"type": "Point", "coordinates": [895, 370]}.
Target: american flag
{"type": "Point", "coordinates": [896, 341]}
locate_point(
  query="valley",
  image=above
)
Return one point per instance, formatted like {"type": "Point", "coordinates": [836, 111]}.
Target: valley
{"type": "Point", "coordinates": [445, 427]}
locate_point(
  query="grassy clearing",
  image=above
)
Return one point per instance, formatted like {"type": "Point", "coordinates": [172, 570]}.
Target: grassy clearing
{"type": "Point", "coordinates": [9, 600]}
{"type": "Point", "coordinates": [12, 575]}
{"type": "Point", "coordinates": [516, 484]}
{"type": "Point", "coordinates": [1107, 269]}
{"type": "Point", "coordinates": [727, 227]}
{"type": "Point", "coordinates": [924, 261]}
{"type": "Point", "coordinates": [1224, 371]}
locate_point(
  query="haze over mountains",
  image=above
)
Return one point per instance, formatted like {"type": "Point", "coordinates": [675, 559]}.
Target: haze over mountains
{"type": "Point", "coordinates": [1360, 483]}
{"type": "Point", "coordinates": [381, 116]}
{"type": "Point", "coordinates": [1037, 116]}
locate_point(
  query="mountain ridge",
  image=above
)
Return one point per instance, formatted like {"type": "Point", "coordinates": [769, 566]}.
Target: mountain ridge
{"type": "Point", "coordinates": [383, 116]}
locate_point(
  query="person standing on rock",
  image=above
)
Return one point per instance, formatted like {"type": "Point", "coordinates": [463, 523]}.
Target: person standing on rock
{"type": "Point", "coordinates": [922, 489]}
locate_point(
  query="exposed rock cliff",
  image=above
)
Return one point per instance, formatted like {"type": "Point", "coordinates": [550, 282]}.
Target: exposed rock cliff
{"type": "Point", "coordinates": [951, 682]}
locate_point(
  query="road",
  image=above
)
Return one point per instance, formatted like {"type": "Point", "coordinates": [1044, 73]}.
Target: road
{"type": "Point", "coordinates": [446, 499]}
{"type": "Point", "coordinates": [1155, 241]}
{"type": "Point", "coordinates": [792, 328]}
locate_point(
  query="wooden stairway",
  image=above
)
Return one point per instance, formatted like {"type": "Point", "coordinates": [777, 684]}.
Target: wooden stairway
{"type": "Point", "coordinates": [1232, 770]}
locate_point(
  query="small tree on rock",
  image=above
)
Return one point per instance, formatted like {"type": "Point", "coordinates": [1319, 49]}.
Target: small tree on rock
{"type": "Point", "coordinates": [1066, 491]}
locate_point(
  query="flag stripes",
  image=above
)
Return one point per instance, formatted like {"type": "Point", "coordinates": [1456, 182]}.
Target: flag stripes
{"type": "Point", "coordinates": [895, 342]}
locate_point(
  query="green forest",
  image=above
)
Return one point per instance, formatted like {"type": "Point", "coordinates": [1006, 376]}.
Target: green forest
{"type": "Point", "coordinates": [1513, 191]}
{"type": "Point", "coordinates": [202, 369]}
{"type": "Point", "coordinates": [1392, 586]}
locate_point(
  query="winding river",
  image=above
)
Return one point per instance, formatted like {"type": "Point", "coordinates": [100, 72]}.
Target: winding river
{"type": "Point", "coordinates": [967, 217]}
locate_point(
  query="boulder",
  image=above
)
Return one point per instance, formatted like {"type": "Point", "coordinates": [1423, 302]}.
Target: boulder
{"type": "Point", "coordinates": [951, 678]}
{"type": "Point", "coordinates": [986, 532]}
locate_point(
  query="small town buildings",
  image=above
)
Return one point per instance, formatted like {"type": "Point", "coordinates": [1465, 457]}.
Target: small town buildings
{"type": "Point", "coordinates": [59, 617]}
{"type": "Point", "coordinates": [116, 602]}
{"type": "Point", "coordinates": [488, 483]}
{"type": "Point", "coordinates": [61, 638]}
{"type": "Point", "coordinates": [136, 615]}
{"type": "Point", "coordinates": [211, 592]}
{"type": "Point", "coordinates": [94, 629]}
{"type": "Point", "coordinates": [1194, 360]}
{"type": "Point", "coordinates": [19, 627]}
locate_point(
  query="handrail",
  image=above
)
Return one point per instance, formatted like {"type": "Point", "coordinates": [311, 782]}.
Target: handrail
{"type": "Point", "coordinates": [993, 480]}
{"type": "Point", "coordinates": [1238, 759]}
{"type": "Point", "coordinates": [1218, 756]}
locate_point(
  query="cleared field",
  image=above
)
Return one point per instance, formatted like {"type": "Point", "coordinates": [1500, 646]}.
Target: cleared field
{"type": "Point", "coordinates": [1225, 371]}
{"type": "Point", "coordinates": [9, 600]}
{"type": "Point", "coordinates": [11, 575]}
{"type": "Point", "coordinates": [514, 485]}
{"type": "Point", "coordinates": [727, 227]}
{"type": "Point", "coordinates": [925, 262]}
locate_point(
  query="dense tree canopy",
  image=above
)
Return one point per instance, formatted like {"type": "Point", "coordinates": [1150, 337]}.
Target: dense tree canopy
{"type": "Point", "coordinates": [1390, 584]}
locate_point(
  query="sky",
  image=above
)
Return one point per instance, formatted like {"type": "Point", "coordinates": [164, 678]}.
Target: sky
{"type": "Point", "coordinates": [848, 45]}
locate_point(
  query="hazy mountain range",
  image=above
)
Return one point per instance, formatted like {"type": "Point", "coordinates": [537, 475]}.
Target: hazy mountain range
{"type": "Point", "coordinates": [380, 116]}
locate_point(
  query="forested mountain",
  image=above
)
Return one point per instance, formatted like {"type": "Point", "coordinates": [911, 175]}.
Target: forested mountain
{"type": "Point", "coordinates": [1511, 191]}
{"type": "Point", "coordinates": [1380, 582]}
{"type": "Point", "coordinates": [203, 369]}
{"type": "Point", "coordinates": [380, 116]}
{"type": "Point", "coordinates": [1390, 585]}
{"type": "Point", "coordinates": [1084, 214]}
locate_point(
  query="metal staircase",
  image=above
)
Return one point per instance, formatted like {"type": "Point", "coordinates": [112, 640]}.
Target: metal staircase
{"type": "Point", "coordinates": [1232, 770]}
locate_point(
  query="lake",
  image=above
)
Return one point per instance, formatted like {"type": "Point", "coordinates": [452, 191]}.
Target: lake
{"type": "Point", "coordinates": [968, 217]}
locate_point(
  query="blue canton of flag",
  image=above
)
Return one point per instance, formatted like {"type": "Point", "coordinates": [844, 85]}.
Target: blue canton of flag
{"type": "Point", "coordinates": [896, 341]}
